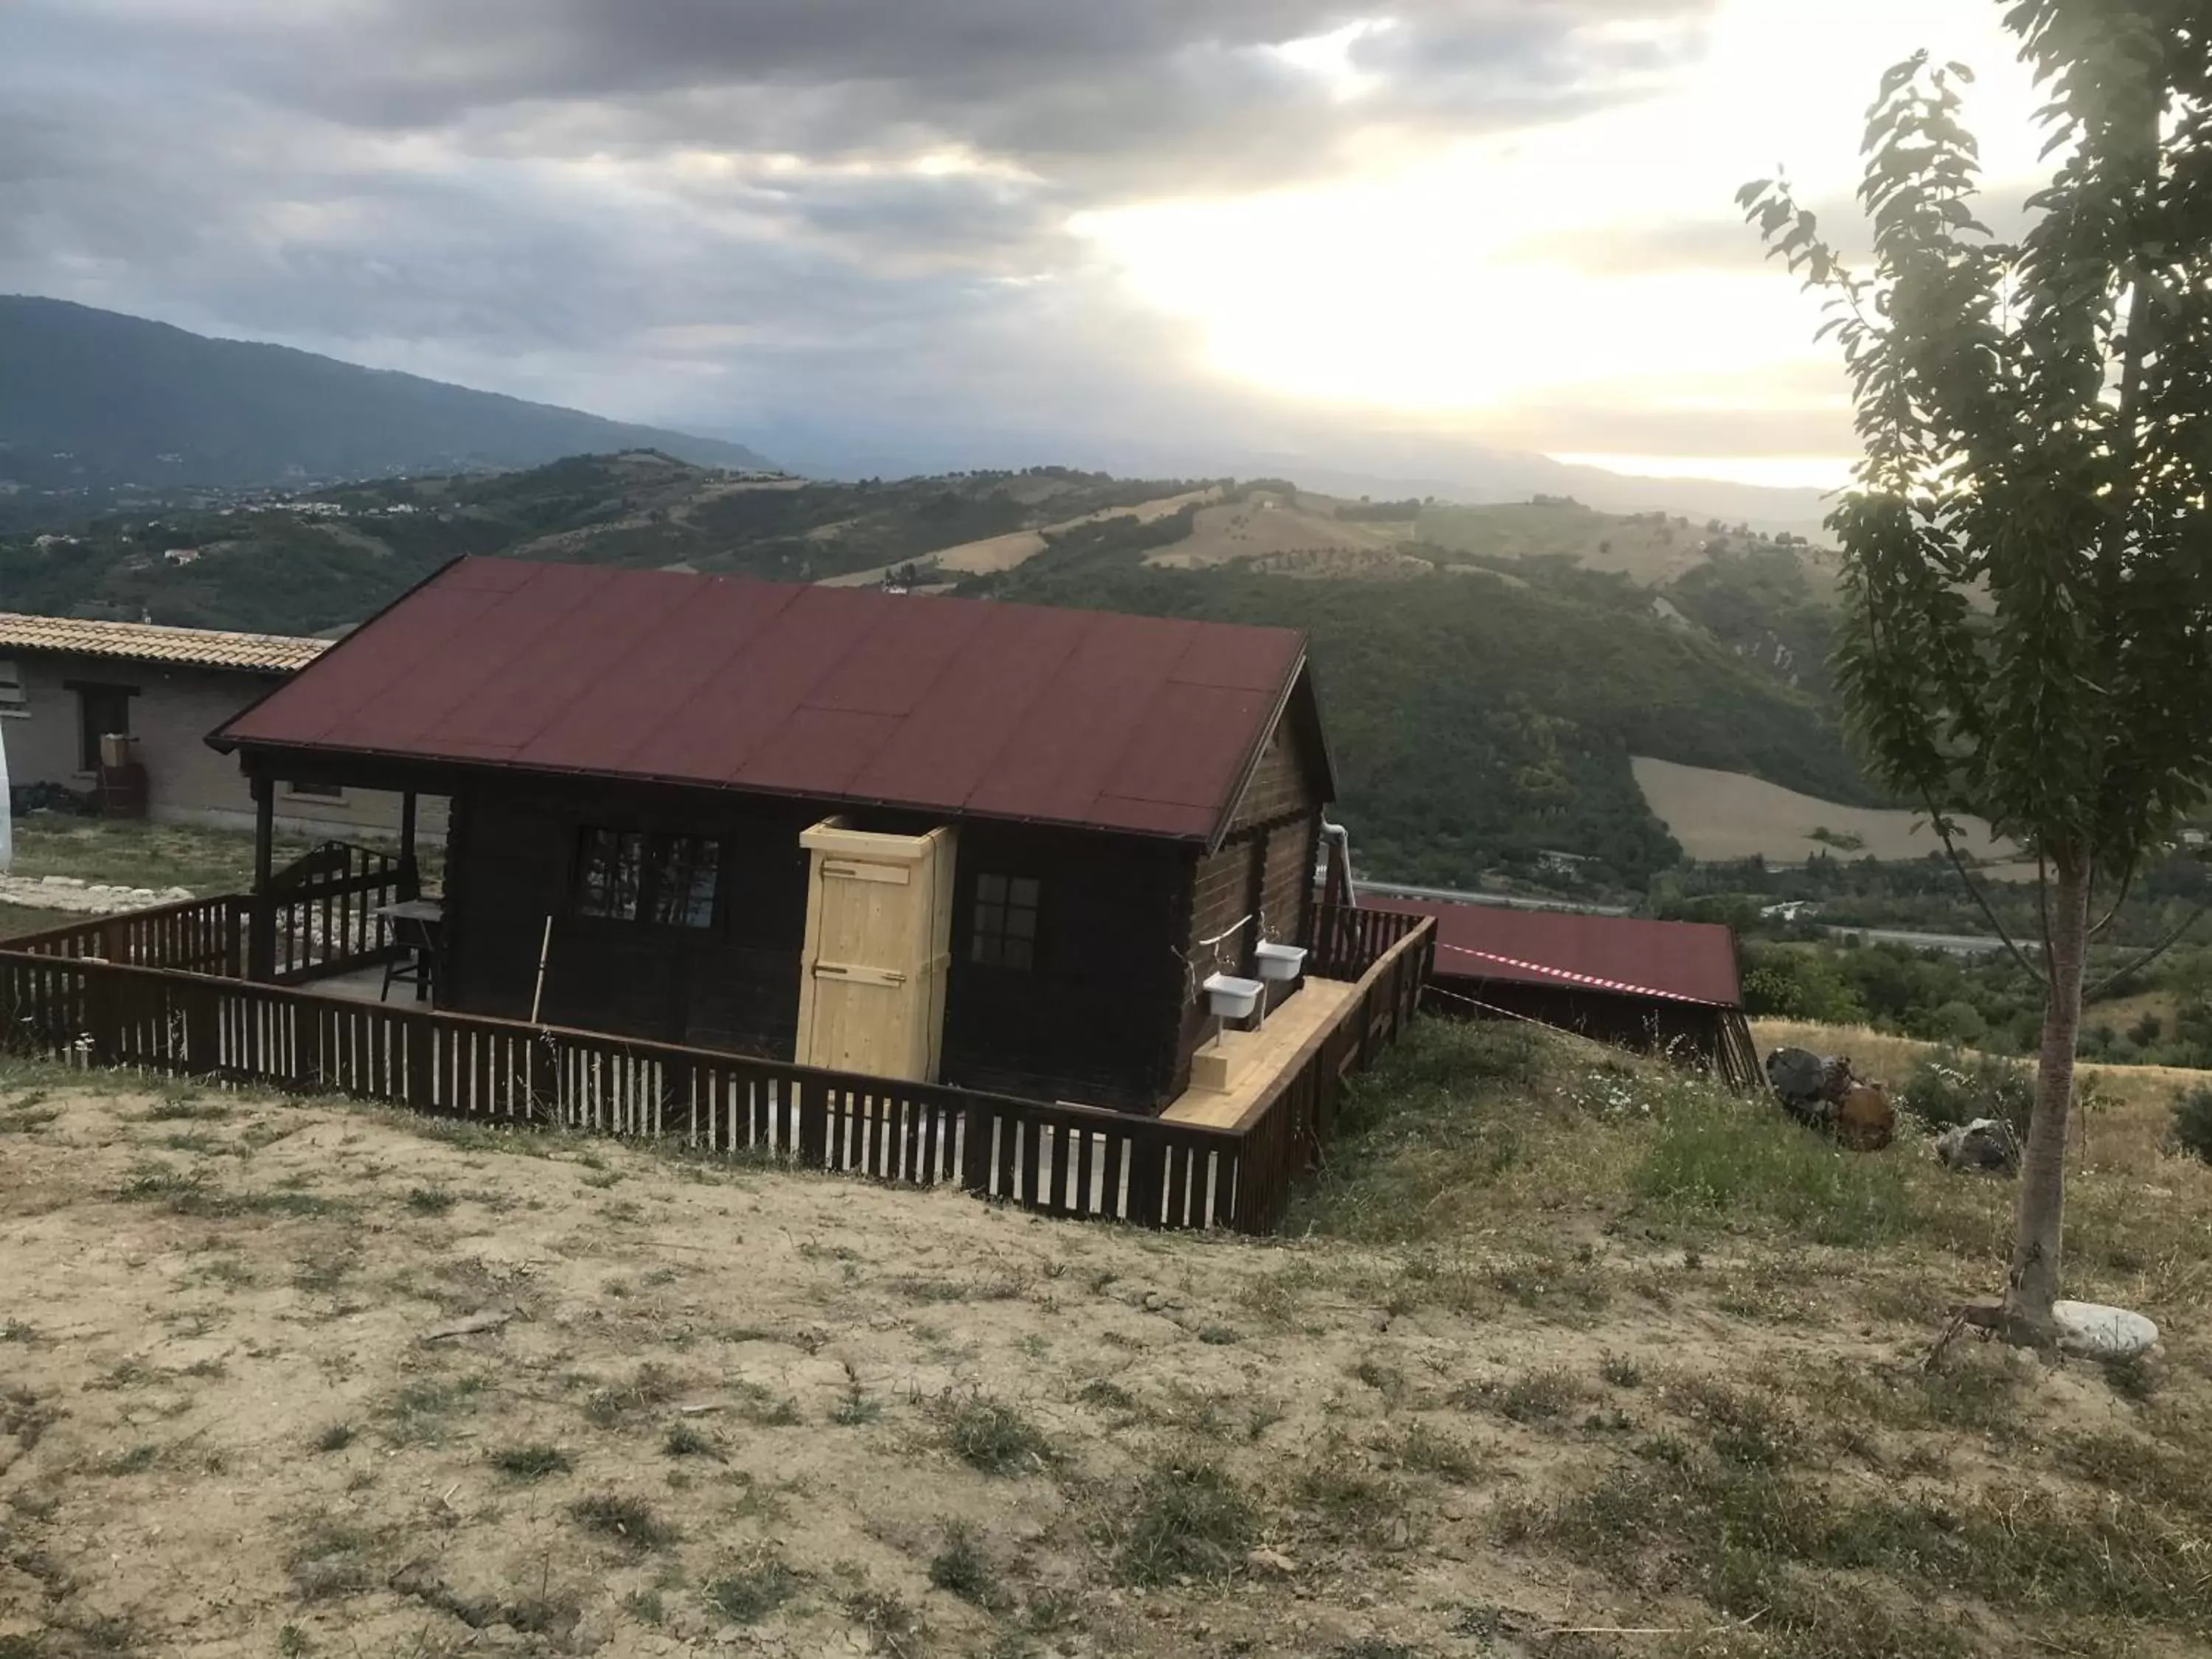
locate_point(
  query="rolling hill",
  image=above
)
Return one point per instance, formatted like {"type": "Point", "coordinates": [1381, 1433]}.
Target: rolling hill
{"type": "Point", "coordinates": [91, 401]}
{"type": "Point", "coordinates": [1486, 698]}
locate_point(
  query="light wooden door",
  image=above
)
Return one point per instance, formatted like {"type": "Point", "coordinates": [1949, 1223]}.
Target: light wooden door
{"type": "Point", "coordinates": [879, 927]}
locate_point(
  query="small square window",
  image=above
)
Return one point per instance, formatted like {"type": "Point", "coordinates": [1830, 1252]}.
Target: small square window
{"type": "Point", "coordinates": [1005, 934]}
{"type": "Point", "coordinates": [683, 870]}
{"type": "Point", "coordinates": [12, 697]}
{"type": "Point", "coordinates": [316, 791]}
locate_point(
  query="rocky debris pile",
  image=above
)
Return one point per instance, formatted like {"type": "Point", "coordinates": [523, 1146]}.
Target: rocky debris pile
{"type": "Point", "coordinates": [1822, 1091]}
{"type": "Point", "coordinates": [1985, 1146]}
{"type": "Point", "coordinates": [77, 896]}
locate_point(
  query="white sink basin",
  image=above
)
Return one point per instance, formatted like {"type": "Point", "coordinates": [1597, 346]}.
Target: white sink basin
{"type": "Point", "coordinates": [1278, 962]}
{"type": "Point", "coordinates": [1233, 998]}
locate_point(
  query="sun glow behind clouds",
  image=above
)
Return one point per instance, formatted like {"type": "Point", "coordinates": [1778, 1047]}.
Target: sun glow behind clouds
{"type": "Point", "coordinates": [1429, 289]}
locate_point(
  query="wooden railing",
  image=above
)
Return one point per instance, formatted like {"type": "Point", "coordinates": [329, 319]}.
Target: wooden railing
{"type": "Point", "coordinates": [1282, 1133]}
{"type": "Point", "coordinates": [201, 936]}
{"type": "Point", "coordinates": [317, 919]}
{"type": "Point", "coordinates": [319, 916]}
{"type": "Point", "coordinates": [77, 1008]}
{"type": "Point", "coordinates": [1344, 941]}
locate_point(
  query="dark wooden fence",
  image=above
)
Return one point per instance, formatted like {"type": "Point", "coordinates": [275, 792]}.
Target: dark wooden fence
{"type": "Point", "coordinates": [1343, 941]}
{"type": "Point", "coordinates": [1283, 1131]}
{"type": "Point", "coordinates": [319, 917]}
{"type": "Point", "coordinates": [1074, 1161]}
{"type": "Point", "coordinates": [200, 936]}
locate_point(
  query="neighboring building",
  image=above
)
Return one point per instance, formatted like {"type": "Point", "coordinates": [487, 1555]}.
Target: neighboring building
{"type": "Point", "coordinates": [65, 682]}
{"type": "Point", "coordinates": [1052, 824]}
{"type": "Point", "coordinates": [1661, 986]}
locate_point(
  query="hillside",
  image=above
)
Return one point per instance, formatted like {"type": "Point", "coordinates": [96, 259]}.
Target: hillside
{"type": "Point", "coordinates": [1484, 698]}
{"type": "Point", "coordinates": [1567, 1358]}
{"type": "Point", "coordinates": [94, 400]}
{"type": "Point", "coordinates": [1482, 723]}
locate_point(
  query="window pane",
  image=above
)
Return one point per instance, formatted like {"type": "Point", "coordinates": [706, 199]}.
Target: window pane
{"type": "Point", "coordinates": [629, 876]}
{"type": "Point", "coordinates": [611, 867]}
{"type": "Point", "coordinates": [699, 903]}
{"type": "Point", "coordinates": [1004, 930]}
{"type": "Point", "coordinates": [683, 881]}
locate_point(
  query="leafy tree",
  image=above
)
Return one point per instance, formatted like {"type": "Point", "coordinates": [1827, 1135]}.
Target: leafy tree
{"type": "Point", "coordinates": [2027, 562]}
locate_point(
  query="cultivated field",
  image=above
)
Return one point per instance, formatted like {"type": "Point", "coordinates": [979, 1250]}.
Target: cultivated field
{"type": "Point", "coordinates": [1300, 536]}
{"type": "Point", "coordinates": [1566, 1356]}
{"type": "Point", "coordinates": [997, 553]}
{"type": "Point", "coordinates": [1726, 815]}
{"type": "Point", "coordinates": [1651, 552]}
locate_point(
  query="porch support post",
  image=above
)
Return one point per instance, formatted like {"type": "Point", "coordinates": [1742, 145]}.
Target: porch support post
{"type": "Point", "coordinates": [411, 873]}
{"type": "Point", "coordinates": [261, 915]}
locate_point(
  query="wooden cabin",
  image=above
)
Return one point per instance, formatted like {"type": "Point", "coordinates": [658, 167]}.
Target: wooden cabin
{"type": "Point", "coordinates": [995, 845]}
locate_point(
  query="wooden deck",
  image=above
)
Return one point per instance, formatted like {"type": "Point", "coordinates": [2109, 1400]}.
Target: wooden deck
{"type": "Point", "coordinates": [1259, 1059]}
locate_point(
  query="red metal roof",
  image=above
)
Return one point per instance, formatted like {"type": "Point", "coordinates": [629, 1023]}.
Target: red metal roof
{"type": "Point", "coordinates": [1130, 723]}
{"type": "Point", "coordinates": [1675, 961]}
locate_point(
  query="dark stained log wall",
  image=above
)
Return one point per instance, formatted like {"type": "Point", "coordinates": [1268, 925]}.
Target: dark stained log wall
{"type": "Point", "coordinates": [1095, 1020]}
{"type": "Point", "coordinates": [1262, 871]}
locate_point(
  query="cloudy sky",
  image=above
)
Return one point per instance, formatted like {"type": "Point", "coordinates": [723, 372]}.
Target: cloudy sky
{"type": "Point", "coordinates": [1001, 230]}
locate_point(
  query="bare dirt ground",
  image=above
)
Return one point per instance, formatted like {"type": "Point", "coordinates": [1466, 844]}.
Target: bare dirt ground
{"type": "Point", "coordinates": [1726, 815]}
{"type": "Point", "coordinates": [296, 1378]}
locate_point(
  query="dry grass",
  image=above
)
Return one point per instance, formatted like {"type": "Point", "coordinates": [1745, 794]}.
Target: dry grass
{"type": "Point", "coordinates": [1300, 538]}
{"type": "Point", "coordinates": [1559, 1342]}
{"type": "Point", "coordinates": [1727, 815]}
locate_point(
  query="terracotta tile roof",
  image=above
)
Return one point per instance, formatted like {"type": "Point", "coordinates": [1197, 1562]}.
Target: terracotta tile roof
{"type": "Point", "coordinates": [206, 647]}
{"type": "Point", "coordinates": [1138, 724]}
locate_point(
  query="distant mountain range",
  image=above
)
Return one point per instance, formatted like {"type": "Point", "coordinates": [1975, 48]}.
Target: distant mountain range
{"type": "Point", "coordinates": [94, 400]}
{"type": "Point", "coordinates": [96, 406]}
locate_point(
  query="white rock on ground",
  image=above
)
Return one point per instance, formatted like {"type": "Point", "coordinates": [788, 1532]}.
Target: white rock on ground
{"type": "Point", "coordinates": [73, 896]}
{"type": "Point", "coordinates": [2097, 1332]}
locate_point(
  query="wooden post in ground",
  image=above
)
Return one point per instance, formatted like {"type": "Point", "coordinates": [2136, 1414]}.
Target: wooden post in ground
{"type": "Point", "coordinates": [411, 873]}
{"type": "Point", "coordinates": [261, 924]}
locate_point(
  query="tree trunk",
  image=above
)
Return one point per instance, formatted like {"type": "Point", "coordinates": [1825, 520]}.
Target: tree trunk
{"type": "Point", "coordinates": [2032, 1285]}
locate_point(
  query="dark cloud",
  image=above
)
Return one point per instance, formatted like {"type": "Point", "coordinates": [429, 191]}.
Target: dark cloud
{"type": "Point", "coordinates": [719, 209]}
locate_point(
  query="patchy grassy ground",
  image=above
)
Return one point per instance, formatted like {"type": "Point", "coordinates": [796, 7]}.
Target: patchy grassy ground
{"type": "Point", "coordinates": [135, 852]}
{"type": "Point", "coordinates": [1564, 1356]}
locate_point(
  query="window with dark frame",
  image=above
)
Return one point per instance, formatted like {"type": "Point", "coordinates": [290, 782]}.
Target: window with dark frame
{"type": "Point", "coordinates": [667, 881]}
{"type": "Point", "coordinates": [318, 791]}
{"type": "Point", "coordinates": [1006, 925]}
{"type": "Point", "coordinates": [101, 709]}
